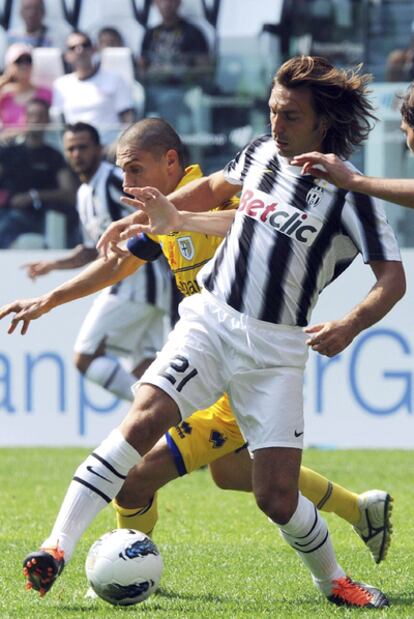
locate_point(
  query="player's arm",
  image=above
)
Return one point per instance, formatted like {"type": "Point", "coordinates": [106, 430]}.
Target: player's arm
{"type": "Point", "coordinates": [98, 275]}
{"type": "Point", "coordinates": [78, 257]}
{"type": "Point", "coordinates": [335, 171]}
{"type": "Point", "coordinates": [163, 217]}
{"type": "Point", "coordinates": [200, 195]}
{"type": "Point", "coordinates": [331, 338]}
{"type": "Point", "coordinates": [204, 194]}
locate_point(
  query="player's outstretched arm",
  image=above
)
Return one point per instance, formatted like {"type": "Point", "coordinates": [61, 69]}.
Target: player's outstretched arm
{"type": "Point", "coordinates": [78, 257]}
{"type": "Point", "coordinates": [98, 275]}
{"type": "Point", "coordinates": [399, 191]}
{"type": "Point", "coordinates": [331, 338]}
{"type": "Point", "coordinates": [163, 217]}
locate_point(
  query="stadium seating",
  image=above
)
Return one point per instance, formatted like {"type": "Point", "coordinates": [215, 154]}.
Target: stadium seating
{"type": "Point", "coordinates": [118, 14]}
{"type": "Point", "coordinates": [119, 60]}
{"type": "Point", "coordinates": [47, 66]}
{"type": "Point", "coordinates": [54, 19]}
{"type": "Point", "coordinates": [243, 51]}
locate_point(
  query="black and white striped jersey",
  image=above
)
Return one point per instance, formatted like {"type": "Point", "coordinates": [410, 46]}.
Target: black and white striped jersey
{"type": "Point", "coordinates": [98, 205]}
{"type": "Point", "coordinates": [292, 235]}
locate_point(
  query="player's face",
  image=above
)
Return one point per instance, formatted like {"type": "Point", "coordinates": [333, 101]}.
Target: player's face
{"type": "Point", "coordinates": [409, 134]}
{"type": "Point", "coordinates": [295, 126]}
{"type": "Point", "coordinates": [81, 152]}
{"type": "Point", "coordinates": [142, 169]}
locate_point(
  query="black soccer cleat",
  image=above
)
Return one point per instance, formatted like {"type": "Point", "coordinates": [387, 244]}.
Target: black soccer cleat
{"type": "Point", "coordinates": [41, 569]}
{"type": "Point", "coordinates": [347, 592]}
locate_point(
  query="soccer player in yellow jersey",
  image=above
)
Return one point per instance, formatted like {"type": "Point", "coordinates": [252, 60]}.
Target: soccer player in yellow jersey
{"type": "Point", "coordinates": [151, 154]}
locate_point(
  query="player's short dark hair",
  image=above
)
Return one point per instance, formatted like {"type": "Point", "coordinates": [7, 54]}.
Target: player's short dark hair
{"type": "Point", "coordinates": [154, 135]}
{"type": "Point", "coordinates": [81, 127]}
{"type": "Point", "coordinates": [339, 95]}
{"type": "Point", "coordinates": [407, 106]}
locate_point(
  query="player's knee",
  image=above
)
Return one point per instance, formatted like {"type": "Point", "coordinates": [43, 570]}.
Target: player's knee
{"type": "Point", "coordinates": [279, 505]}
{"type": "Point", "coordinates": [152, 413]}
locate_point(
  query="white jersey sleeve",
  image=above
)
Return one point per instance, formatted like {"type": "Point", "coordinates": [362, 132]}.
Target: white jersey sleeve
{"type": "Point", "coordinates": [365, 222]}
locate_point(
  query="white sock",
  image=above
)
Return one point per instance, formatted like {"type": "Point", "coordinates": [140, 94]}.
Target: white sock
{"type": "Point", "coordinates": [96, 482]}
{"type": "Point", "coordinates": [308, 534]}
{"type": "Point", "coordinates": [109, 374]}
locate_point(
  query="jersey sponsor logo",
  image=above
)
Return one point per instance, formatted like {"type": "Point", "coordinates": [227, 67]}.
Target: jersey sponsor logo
{"type": "Point", "coordinates": [314, 196]}
{"type": "Point", "coordinates": [186, 247]}
{"type": "Point", "coordinates": [281, 217]}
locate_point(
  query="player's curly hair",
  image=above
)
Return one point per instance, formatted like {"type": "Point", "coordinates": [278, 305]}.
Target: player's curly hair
{"type": "Point", "coordinates": [407, 106]}
{"type": "Point", "coordinates": [339, 95]}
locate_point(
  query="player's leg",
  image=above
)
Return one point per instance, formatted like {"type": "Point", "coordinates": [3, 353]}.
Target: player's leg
{"type": "Point", "coordinates": [275, 484]}
{"type": "Point", "coordinates": [176, 383]}
{"type": "Point", "coordinates": [99, 479]}
{"type": "Point", "coordinates": [369, 513]}
{"type": "Point", "coordinates": [136, 503]}
{"type": "Point", "coordinates": [205, 437]}
{"type": "Point", "coordinates": [273, 438]}
{"type": "Point", "coordinates": [113, 328]}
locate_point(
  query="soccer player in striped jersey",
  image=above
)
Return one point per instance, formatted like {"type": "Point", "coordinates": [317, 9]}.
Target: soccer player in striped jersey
{"type": "Point", "coordinates": [259, 361]}
{"type": "Point", "coordinates": [212, 436]}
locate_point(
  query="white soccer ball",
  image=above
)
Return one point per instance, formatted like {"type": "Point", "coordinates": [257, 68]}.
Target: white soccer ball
{"type": "Point", "coordinates": [124, 567]}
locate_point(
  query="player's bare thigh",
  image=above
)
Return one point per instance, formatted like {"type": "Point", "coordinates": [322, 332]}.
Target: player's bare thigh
{"type": "Point", "coordinates": [151, 414]}
{"type": "Point", "coordinates": [233, 471]}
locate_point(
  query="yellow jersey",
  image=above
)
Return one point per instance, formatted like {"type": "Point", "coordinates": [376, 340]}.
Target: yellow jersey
{"type": "Point", "coordinates": [187, 252]}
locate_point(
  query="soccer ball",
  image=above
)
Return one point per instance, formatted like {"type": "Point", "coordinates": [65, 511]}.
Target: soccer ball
{"type": "Point", "coordinates": [124, 567]}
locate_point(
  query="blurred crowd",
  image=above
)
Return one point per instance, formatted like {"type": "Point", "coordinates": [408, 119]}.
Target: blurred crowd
{"type": "Point", "coordinates": [52, 78]}
{"type": "Point", "coordinates": [199, 64]}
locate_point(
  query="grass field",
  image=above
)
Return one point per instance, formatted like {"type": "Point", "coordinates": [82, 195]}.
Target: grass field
{"type": "Point", "coordinates": [222, 558]}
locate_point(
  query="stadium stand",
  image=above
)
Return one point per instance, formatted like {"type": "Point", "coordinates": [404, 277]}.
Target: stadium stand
{"type": "Point", "coordinates": [47, 66]}
{"type": "Point", "coordinates": [121, 13]}
{"type": "Point", "coordinates": [118, 60]}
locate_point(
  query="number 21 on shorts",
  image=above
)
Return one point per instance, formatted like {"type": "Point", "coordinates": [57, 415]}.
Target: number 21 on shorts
{"type": "Point", "coordinates": [180, 366]}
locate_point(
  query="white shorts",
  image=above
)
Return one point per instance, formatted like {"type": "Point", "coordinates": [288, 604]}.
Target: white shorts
{"type": "Point", "coordinates": [214, 349]}
{"type": "Point", "coordinates": [130, 329]}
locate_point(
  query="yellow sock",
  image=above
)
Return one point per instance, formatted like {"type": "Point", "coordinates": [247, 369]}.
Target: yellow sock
{"type": "Point", "coordinates": [328, 496]}
{"type": "Point", "coordinates": [140, 518]}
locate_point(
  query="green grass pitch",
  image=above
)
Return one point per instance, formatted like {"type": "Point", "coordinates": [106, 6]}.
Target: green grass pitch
{"type": "Point", "coordinates": [222, 557]}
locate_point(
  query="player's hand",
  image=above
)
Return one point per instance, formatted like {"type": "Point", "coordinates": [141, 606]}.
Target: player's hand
{"type": "Point", "coordinates": [162, 215]}
{"type": "Point", "coordinates": [34, 269]}
{"type": "Point", "coordinates": [112, 235]}
{"type": "Point", "coordinates": [25, 310]}
{"type": "Point", "coordinates": [326, 166]}
{"type": "Point", "coordinates": [330, 338]}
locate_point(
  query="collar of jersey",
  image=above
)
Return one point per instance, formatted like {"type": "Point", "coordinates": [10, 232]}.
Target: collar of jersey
{"type": "Point", "coordinates": [192, 172]}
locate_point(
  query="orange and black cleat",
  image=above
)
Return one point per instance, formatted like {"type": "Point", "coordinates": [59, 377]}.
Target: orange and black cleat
{"type": "Point", "coordinates": [41, 569]}
{"type": "Point", "coordinates": [346, 592]}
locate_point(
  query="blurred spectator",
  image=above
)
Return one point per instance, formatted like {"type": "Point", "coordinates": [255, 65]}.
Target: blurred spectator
{"type": "Point", "coordinates": [33, 178]}
{"type": "Point", "coordinates": [174, 56]}
{"type": "Point", "coordinates": [109, 37]}
{"type": "Point", "coordinates": [16, 88]}
{"type": "Point", "coordinates": [35, 32]}
{"type": "Point", "coordinates": [90, 94]}
{"type": "Point", "coordinates": [400, 64]}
